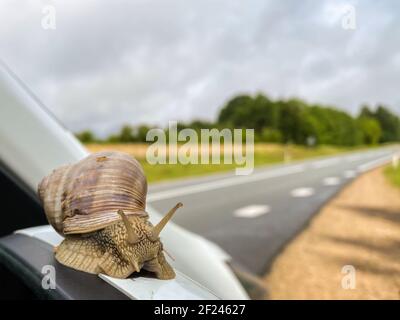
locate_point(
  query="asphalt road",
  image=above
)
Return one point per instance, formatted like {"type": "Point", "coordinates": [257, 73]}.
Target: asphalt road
{"type": "Point", "coordinates": [253, 217]}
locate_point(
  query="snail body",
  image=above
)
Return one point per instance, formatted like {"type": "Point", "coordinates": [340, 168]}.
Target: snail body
{"type": "Point", "coordinates": [98, 205]}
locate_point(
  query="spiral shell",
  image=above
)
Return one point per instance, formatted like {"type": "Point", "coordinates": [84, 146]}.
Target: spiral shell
{"type": "Point", "coordinates": [86, 196]}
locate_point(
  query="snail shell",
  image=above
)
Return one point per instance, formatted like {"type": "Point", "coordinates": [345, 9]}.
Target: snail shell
{"type": "Point", "coordinates": [86, 196]}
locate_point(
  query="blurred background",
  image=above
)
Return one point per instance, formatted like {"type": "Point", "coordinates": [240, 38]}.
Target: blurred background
{"type": "Point", "coordinates": [289, 70]}
{"type": "Point", "coordinates": [318, 83]}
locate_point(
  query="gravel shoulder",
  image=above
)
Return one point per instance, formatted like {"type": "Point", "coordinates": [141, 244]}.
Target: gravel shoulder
{"type": "Point", "coordinates": [360, 227]}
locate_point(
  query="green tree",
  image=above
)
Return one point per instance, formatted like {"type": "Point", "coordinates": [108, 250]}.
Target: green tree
{"type": "Point", "coordinates": [366, 111]}
{"type": "Point", "coordinates": [248, 112]}
{"type": "Point", "coordinates": [113, 138]}
{"type": "Point", "coordinates": [126, 134]}
{"type": "Point", "coordinates": [291, 120]}
{"type": "Point", "coordinates": [270, 135]}
{"type": "Point", "coordinates": [371, 129]}
{"type": "Point", "coordinates": [86, 136]}
{"type": "Point", "coordinates": [332, 126]}
{"type": "Point", "coordinates": [389, 123]}
{"type": "Point", "coordinates": [295, 123]}
{"type": "Point", "coordinates": [141, 133]}
{"type": "Point", "coordinates": [233, 112]}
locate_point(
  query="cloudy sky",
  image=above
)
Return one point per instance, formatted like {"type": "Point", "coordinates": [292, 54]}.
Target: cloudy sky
{"type": "Point", "coordinates": [150, 61]}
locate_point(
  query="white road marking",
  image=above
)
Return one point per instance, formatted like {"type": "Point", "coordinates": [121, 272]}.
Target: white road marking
{"type": "Point", "coordinates": [302, 192]}
{"type": "Point", "coordinates": [325, 163]}
{"type": "Point", "coordinates": [353, 158]}
{"type": "Point", "coordinates": [348, 174]}
{"type": "Point", "coordinates": [223, 183]}
{"type": "Point", "coordinates": [331, 181]}
{"type": "Point", "coordinates": [238, 180]}
{"type": "Point", "coordinates": [374, 163]}
{"type": "Point", "coordinates": [367, 155]}
{"type": "Point", "coordinates": [252, 211]}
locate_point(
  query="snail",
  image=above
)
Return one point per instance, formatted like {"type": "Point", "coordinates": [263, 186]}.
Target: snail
{"type": "Point", "coordinates": [98, 206]}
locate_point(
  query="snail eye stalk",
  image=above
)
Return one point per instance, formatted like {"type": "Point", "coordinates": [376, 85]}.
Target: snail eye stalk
{"type": "Point", "coordinates": [132, 236]}
{"type": "Point", "coordinates": [158, 228]}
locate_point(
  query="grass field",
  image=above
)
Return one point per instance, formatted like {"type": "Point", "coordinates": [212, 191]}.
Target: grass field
{"type": "Point", "coordinates": [393, 174]}
{"type": "Point", "coordinates": [264, 154]}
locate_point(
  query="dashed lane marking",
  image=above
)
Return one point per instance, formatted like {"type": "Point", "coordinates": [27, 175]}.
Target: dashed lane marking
{"type": "Point", "coordinates": [348, 174]}
{"type": "Point", "coordinates": [252, 211]}
{"type": "Point", "coordinates": [302, 192]}
{"type": "Point", "coordinates": [331, 181]}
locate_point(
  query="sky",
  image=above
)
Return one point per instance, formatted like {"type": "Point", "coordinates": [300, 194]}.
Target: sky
{"type": "Point", "coordinates": [109, 63]}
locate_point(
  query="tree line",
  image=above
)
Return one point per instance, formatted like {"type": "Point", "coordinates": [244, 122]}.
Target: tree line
{"type": "Point", "coordinates": [285, 121]}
